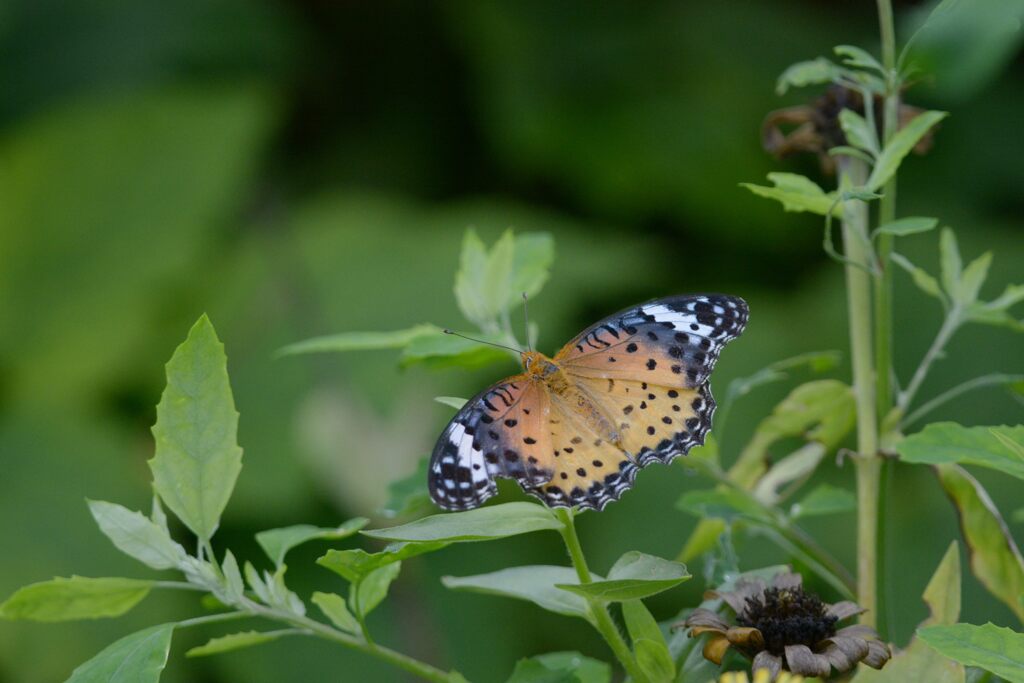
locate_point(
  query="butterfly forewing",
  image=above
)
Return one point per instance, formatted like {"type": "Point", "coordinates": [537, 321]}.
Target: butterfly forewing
{"type": "Point", "coordinates": [502, 432]}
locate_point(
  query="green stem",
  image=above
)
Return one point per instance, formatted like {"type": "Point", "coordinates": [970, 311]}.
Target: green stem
{"type": "Point", "coordinates": [212, 619]}
{"type": "Point", "coordinates": [948, 395]}
{"type": "Point", "coordinates": [858, 286]}
{"type": "Point", "coordinates": [949, 327]}
{"type": "Point", "coordinates": [598, 610]}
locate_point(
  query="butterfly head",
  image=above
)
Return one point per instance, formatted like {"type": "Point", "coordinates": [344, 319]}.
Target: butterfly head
{"type": "Point", "coordinates": [537, 364]}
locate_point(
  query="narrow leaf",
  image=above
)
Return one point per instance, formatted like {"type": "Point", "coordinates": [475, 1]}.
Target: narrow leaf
{"type": "Point", "coordinates": [973, 278]}
{"type": "Point", "coordinates": [197, 454]}
{"type": "Point", "coordinates": [482, 524]}
{"type": "Point", "coordinates": [138, 658]}
{"type": "Point", "coordinates": [373, 588]}
{"type": "Point", "coordinates": [995, 558]}
{"type": "Point", "coordinates": [232, 577]}
{"type": "Point", "coordinates": [797, 193]}
{"type": "Point", "coordinates": [900, 145]}
{"type": "Point", "coordinates": [277, 542]}
{"type": "Point", "coordinates": [334, 608]}
{"type": "Point", "coordinates": [453, 401]}
{"type": "Point", "coordinates": [858, 132]}
{"type": "Point", "coordinates": [947, 442]}
{"type": "Point", "coordinates": [353, 565]}
{"type": "Point", "coordinates": [652, 655]}
{"type": "Point", "coordinates": [78, 597]}
{"type": "Point", "coordinates": [357, 341]}
{"type": "Point", "coordinates": [136, 535]}
{"type": "Point", "coordinates": [802, 74]}
{"type": "Point", "coordinates": [942, 594]}
{"type": "Point", "coordinates": [824, 500]}
{"type": "Point", "coordinates": [925, 282]}
{"type": "Point", "coordinates": [951, 265]}
{"type": "Point", "coordinates": [910, 225]}
{"type": "Point", "coordinates": [989, 647]}
{"type": "Point", "coordinates": [236, 641]}
{"type": "Point", "coordinates": [535, 584]}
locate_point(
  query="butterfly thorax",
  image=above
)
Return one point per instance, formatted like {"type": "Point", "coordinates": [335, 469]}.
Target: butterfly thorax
{"type": "Point", "coordinates": [540, 368]}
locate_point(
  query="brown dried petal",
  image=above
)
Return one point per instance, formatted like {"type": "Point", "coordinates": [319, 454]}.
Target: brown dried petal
{"type": "Point", "coordinates": [787, 580]}
{"type": "Point", "coordinates": [734, 599]}
{"type": "Point", "coordinates": [705, 617]}
{"type": "Point", "coordinates": [844, 652]}
{"type": "Point", "coordinates": [878, 654]}
{"type": "Point", "coordinates": [858, 631]}
{"type": "Point", "coordinates": [701, 630]}
{"type": "Point", "coordinates": [715, 648]}
{"type": "Point", "coordinates": [845, 610]}
{"type": "Point", "coordinates": [746, 636]}
{"type": "Point", "coordinates": [766, 660]}
{"type": "Point", "coordinates": [802, 661]}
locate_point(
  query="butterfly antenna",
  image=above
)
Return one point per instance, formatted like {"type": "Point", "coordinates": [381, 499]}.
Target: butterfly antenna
{"type": "Point", "coordinates": [480, 341]}
{"type": "Point", "coordinates": [526, 320]}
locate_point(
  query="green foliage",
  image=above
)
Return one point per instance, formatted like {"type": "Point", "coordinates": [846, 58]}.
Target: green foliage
{"type": "Point", "coordinates": [197, 455]}
{"type": "Point", "coordinates": [138, 658]}
{"type": "Point", "coordinates": [995, 558]}
{"type": "Point", "coordinates": [134, 534]}
{"type": "Point", "coordinates": [561, 667]}
{"type": "Point", "coordinates": [334, 608]}
{"type": "Point", "coordinates": [481, 524]}
{"type": "Point", "coordinates": [947, 442]}
{"type": "Point", "coordinates": [824, 500]}
{"type": "Point", "coordinates": [359, 341]}
{"type": "Point", "coordinates": [277, 542]}
{"type": "Point", "coordinates": [538, 584]}
{"type": "Point", "coordinates": [355, 564]}
{"type": "Point", "coordinates": [373, 588]}
{"type": "Point", "coordinates": [911, 225]}
{"type": "Point", "coordinates": [797, 193]}
{"type": "Point", "coordinates": [235, 641]}
{"type": "Point", "coordinates": [635, 575]}
{"type": "Point", "coordinates": [989, 647]}
{"type": "Point", "coordinates": [78, 597]}
{"type": "Point", "coordinates": [408, 496]}
{"type": "Point", "coordinates": [649, 645]}
{"type": "Point", "coordinates": [892, 155]}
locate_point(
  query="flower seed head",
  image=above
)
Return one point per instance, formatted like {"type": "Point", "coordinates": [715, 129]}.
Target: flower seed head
{"type": "Point", "coordinates": [788, 616]}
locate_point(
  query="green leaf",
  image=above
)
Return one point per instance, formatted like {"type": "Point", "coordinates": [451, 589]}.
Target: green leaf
{"type": "Point", "coordinates": [1013, 294]}
{"type": "Point", "coordinates": [990, 647]}
{"type": "Point", "coordinates": [925, 282]}
{"type": "Point", "coordinates": [585, 669]}
{"type": "Point", "coordinates": [482, 524]}
{"type": "Point", "coordinates": [797, 193]}
{"type": "Point", "coordinates": [534, 254]}
{"type": "Point", "coordinates": [911, 225]}
{"type": "Point", "coordinates": [357, 341]}
{"type": "Point", "coordinates": [900, 145]}
{"type": "Point", "coordinates": [824, 500]}
{"type": "Point", "coordinates": [816, 361]}
{"type": "Point", "coordinates": [277, 542]}
{"type": "Point", "coordinates": [232, 577]}
{"type": "Point", "coordinates": [353, 565]}
{"type": "Point", "coordinates": [496, 286]}
{"type": "Point", "coordinates": [858, 132]}
{"type": "Point", "coordinates": [942, 594]}
{"type": "Point", "coordinates": [856, 57]}
{"type": "Point", "coordinates": [790, 471]}
{"type": "Point", "coordinates": [972, 278]}
{"type": "Point", "coordinates": [536, 584]}
{"type": "Point", "coordinates": [725, 504]}
{"type": "Point", "coordinates": [951, 265]}
{"type": "Point", "coordinates": [439, 350]}
{"type": "Point", "coordinates": [470, 278]}
{"type": "Point", "coordinates": [802, 74]}
{"type": "Point", "coordinates": [236, 641]}
{"type": "Point", "coordinates": [846, 150]}
{"type": "Point", "coordinates": [995, 558]}
{"type": "Point", "coordinates": [138, 658]}
{"type": "Point", "coordinates": [373, 588]}
{"type": "Point", "coordinates": [79, 597]}
{"type": "Point", "coordinates": [652, 655]}
{"type": "Point", "coordinates": [136, 535]}
{"type": "Point", "coordinates": [453, 401]}
{"type": "Point", "coordinates": [947, 442]}
{"type": "Point", "coordinates": [197, 454]}
{"type": "Point", "coordinates": [256, 583]}
{"type": "Point", "coordinates": [821, 410]}
{"type": "Point", "coordinates": [334, 608]}
{"type": "Point", "coordinates": [532, 671]}
{"type": "Point", "coordinates": [634, 576]}
{"type": "Point", "coordinates": [408, 496]}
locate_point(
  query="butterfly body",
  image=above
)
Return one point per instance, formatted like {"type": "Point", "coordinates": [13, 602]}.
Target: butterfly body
{"type": "Point", "coordinates": [574, 429]}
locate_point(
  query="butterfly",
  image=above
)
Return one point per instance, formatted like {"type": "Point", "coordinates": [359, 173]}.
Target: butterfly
{"type": "Point", "coordinates": [574, 430]}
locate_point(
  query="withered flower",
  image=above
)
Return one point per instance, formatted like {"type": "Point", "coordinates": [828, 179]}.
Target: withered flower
{"type": "Point", "coordinates": [762, 676]}
{"type": "Point", "coordinates": [783, 627]}
{"type": "Point", "coordinates": [815, 127]}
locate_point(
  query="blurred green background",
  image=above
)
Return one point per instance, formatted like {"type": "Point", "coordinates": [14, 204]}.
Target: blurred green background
{"type": "Point", "coordinates": [308, 167]}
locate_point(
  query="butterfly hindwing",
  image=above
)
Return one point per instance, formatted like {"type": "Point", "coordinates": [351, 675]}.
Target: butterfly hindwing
{"type": "Point", "coordinates": [674, 341]}
{"type": "Point", "coordinates": [501, 432]}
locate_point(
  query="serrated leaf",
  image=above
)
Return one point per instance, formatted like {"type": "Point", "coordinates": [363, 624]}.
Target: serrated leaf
{"type": "Point", "coordinates": [235, 641]}
{"type": "Point", "coordinates": [136, 535]}
{"type": "Point", "coordinates": [256, 583]}
{"type": "Point", "coordinates": [137, 658]}
{"type": "Point", "coordinates": [857, 131]}
{"type": "Point", "coordinates": [797, 193]}
{"type": "Point", "coordinates": [232, 577]}
{"type": "Point", "coordinates": [357, 341]}
{"type": "Point", "coordinates": [334, 608]}
{"type": "Point", "coordinates": [950, 263]}
{"type": "Point", "coordinates": [373, 588]}
{"type": "Point", "coordinates": [482, 524]}
{"type": "Point", "coordinates": [78, 597]}
{"type": "Point", "coordinates": [824, 500]}
{"type": "Point", "coordinates": [948, 442]}
{"type": "Point", "coordinates": [353, 565]}
{"type": "Point", "coordinates": [810, 72]}
{"type": "Point", "coordinates": [277, 542]}
{"type": "Point", "coordinates": [536, 584]}
{"type": "Point", "coordinates": [989, 647]}
{"type": "Point", "coordinates": [925, 282]}
{"type": "Point", "coordinates": [649, 647]}
{"type": "Point", "coordinates": [197, 455]}
{"type": "Point", "coordinates": [899, 146]}
{"type": "Point", "coordinates": [995, 558]}
{"type": "Point", "coordinates": [856, 57]}
{"type": "Point", "coordinates": [408, 496]}
{"type": "Point", "coordinates": [911, 225]}
{"type": "Point", "coordinates": [635, 575]}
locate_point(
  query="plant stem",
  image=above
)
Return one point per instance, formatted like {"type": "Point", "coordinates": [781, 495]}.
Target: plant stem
{"type": "Point", "coordinates": [212, 619]}
{"type": "Point", "coordinates": [949, 326]}
{"type": "Point", "coordinates": [950, 394]}
{"type": "Point", "coordinates": [598, 610]}
{"type": "Point", "coordinates": [853, 172]}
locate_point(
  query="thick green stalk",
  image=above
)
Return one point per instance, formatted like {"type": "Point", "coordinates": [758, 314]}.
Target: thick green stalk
{"type": "Point", "coordinates": [856, 245]}
{"type": "Point", "coordinates": [602, 619]}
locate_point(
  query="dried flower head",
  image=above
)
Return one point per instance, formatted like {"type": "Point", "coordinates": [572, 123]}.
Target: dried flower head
{"type": "Point", "coordinates": [760, 676]}
{"type": "Point", "coordinates": [783, 627]}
